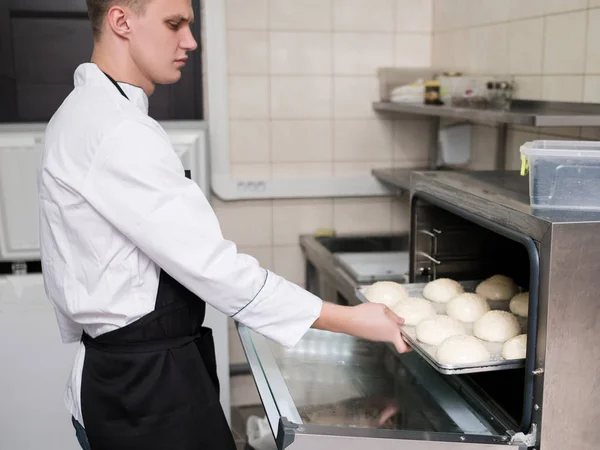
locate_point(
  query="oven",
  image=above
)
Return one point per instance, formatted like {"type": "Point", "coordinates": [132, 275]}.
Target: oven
{"type": "Point", "coordinates": [341, 392]}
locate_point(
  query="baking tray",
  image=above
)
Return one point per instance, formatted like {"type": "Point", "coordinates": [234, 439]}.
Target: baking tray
{"type": "Point", "coordinates": [428, 351]}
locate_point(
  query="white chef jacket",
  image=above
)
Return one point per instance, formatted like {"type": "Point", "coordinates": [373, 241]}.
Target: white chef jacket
{"type": "Point", "coordinates": [115, 207]}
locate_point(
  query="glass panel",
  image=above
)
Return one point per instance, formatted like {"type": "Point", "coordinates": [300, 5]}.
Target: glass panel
{"type": "Point", "coordinates": [336, 380]}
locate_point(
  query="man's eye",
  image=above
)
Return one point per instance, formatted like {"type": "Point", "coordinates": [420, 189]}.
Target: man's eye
{"type": "Point", "coordinates": [173, 25]}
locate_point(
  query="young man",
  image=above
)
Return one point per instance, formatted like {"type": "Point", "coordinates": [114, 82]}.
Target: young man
{"type": "Point", "coordinates": [131, 250]}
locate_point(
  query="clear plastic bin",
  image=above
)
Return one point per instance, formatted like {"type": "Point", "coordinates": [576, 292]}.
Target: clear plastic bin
{"type": "Point", "coordinates": [563, 175]}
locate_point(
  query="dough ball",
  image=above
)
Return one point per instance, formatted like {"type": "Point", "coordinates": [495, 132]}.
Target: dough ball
{"type": "Point", "coordinates": [497, 288]}
{"type": "Point", "coordinates": [515, 348]}
{"type": "Point", "coordinates": [435, 331]}
{"type": "Point", "coordinates": [467, 308]}
{"type": "Point", "coordinates": [414, 310]}
{"type": "Point", "coordinates": [387, 292]}
{"type": "Point", "coordinates": [519, 304]}
{"type": "Point", "coordinates": [462, 350]}
{"type": "Point", "coordinates": [496, 326]}
{"type": "Point", "coordinates": [442, 290]}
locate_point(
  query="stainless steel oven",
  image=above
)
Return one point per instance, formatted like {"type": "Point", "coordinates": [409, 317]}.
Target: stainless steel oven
{"type": "Point", "coordinates": [337, 391]}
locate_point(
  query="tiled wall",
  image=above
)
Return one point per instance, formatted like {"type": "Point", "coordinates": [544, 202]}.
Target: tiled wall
{"type": "Point", "coordinates": [552, 47]}
{"type": "Point", "coordinates": [302, 76]}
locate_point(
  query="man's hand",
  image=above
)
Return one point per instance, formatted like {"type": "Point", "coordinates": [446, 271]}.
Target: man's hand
{"type": "Point", "coordinates": [371, 321]}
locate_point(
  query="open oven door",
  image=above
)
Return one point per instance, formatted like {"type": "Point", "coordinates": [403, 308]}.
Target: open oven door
{"type": "Point", "coordinates": [336, 391]}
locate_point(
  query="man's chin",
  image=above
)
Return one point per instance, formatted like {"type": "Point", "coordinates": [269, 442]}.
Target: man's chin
{"type": "Point", "coordinates": [173, 77]}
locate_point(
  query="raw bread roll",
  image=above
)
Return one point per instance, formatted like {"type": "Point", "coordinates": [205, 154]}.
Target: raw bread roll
{"type": "Point", "coordinates": [497, 288]}
{"type": "Point", "coordinates": [515, 348]}
{"type": "Point", "coordinates": [442, 290]}
{"type": "Point", "coordinates": [414, 310]}
{"type": "Point", "coordinates": [467, 308]}
{"type": "Point", "coordinates": [519, 304]}
{"type": "Point", "coordinates": [387, 292]}
{"type": "Point", "coordinates": [462, 350]}
{"type": "Point", "coordinates": [496, 326]}
{"type": "Point", "coordinates": [435, 331]}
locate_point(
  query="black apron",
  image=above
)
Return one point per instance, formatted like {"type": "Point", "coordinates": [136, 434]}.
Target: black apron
{"type": "Point", "coordinates": [153, 384]}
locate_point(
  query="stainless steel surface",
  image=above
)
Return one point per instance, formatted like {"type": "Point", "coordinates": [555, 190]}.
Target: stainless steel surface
{"type": "Point", "coordinates": [501, 136]}
{"type": "Point", "coordinates": [398, 178]}
{"type": "Point", "coordinates": [521, 112]}
{"type": "Point", "coordinates": [434, 146]}
{"type": "Point", "coordinates": [368, 267]}
{"type": "Point", "coordinates": [428, 352]}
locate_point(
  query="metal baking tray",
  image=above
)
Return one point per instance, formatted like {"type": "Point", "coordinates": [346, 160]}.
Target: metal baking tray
{"type": "Point", "coordinates": [428, 352]}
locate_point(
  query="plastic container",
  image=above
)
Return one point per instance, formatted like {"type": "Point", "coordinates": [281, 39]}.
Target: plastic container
{"type": "Point", "coordinates": [563, 175]}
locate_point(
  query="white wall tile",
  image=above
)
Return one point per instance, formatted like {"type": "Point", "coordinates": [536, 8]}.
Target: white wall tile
{"type": "Point", "coordinates": [292, 218]}
{"type": "Point", "coordinates": [353, 97]}
{"type": "Point", "coordinates": [249, 141]}
{"type": "Point", "coordinates": [251, 171]}
{"type": "Point", "coordinates": [594, 3]}
{"type": "Point", "coordinates": [247, 14]}
{"type": "Point", "coordinates": [411, 140]}
{"type": "Point", "coordinates": [489, 11]}
{"type": "Point", "coordinates": [301, 170]}
{"type": "Point", "coordinates": [248, 97]}
{"type": "Point", "coordinates": [565, 88]}
{"type": "Point", "coordinates": [243, 391]}
{"type": "Point", "coordinates": [489, 49]}
{"type": "Point", "coordinates": [362, 215]}
{"type": "Point", "coordinates": [305, 15]}
{"type": "Point", "coordinates": [363, 15]}
{"type": "Point", "coordinates": [362, 140]}
{"type": "Point", "coordinates": [358, 168]}
{"type": "Point", "coordinates": [247, 52]}
{"type": "Point", "coordinates": [520, 9]}
{"type": "Point", "coordinates": [529, 87]}
{"type": "Point", "coordinates": [301, 97]}
{"type": "Point", "coordinates": [264, 255]}
{"type": "Point", "coordinates": [299, 53]}
{"type": "Point", "coordinates": [247, 224]}
{"type": "Point", "coordinates": [401, 214]}
{"type": "Point", "coordinates": [558, 6]}
{"type": "Point", "coordinates": [526, 43]}
{"type": "Point", "coordinates": [564, 50]}
{"type": "Point", "coordinates": [593, 42]}
{"type": "Point", "coordinates": [591, 91]}
{"type": "Point", "coordinates": [414, 16]}
{"type": "Point", "coordinates": [362, 53]}
{"type": "Point", "coordinates": [289, 263]}
{"type": "Point", "coordinates": [302, 140]}
{"type": "Point", "coordinates": [413, 50]}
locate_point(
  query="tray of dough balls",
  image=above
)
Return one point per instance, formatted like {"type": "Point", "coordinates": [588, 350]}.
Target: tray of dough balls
{"type": "Point", "coordinates": [460, 327]}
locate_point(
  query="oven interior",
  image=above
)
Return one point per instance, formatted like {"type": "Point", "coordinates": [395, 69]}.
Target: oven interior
{"type": "Point", "coordinates": [450, 243]}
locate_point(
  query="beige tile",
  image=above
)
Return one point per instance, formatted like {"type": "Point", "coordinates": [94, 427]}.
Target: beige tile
{"type": "Point", "coordinates": [264, 255]}
{"type": "Point", "coordinates": [521, 9]}
{"type": "Point", "coordinates": [305, 15]}
{"type": "Point", "coordinates": [413, 50]}
{"type": "Point", "coordinates": [301, 53]}
{"type": "Point", "coordinates": [515, 140]}
{"type": "Point", "coordinates": [292, 218]}
{"type": "Point", "coordinates": [301, 170]}
{"type": "Point", "coordinates": [451, 50]}
{"type": "Point", "coordinates": [247, 14]}
{"type": "Point", "coordinates": [566, 88]}
{"type": "Point", "coordinates": [483, 147]}
{"type": "Point", "coordinates": [526, 43]}
{"type": "Point", "coordinates": [593, 42]}
{"type": "Point", "coordinates": [362, 53]}
{"type": "Point", "coordinates": [362, 215]}
{"type": "Point", "coordinates": [251, 171]}
{"type": "Point", "coordinates": [564, 47]}
{"type": "Point", "coordinates": [363, 140]}
{"type": "Point", "coordinates": [247, 52]}
{"type": "Point", "coordinates": [302, 140]}
{"type": "Point", "coordinates": [249, 141]}
{"type": "Point", "coordinates": [248, 97]}
{"type": "Point", "coordinates": [363, 15]}
{"type": "Point", "coordinates": [559, 6]}
{"type": "Point", "coordinates": [529, 88]}
{"type": "Point", "coordinates": [412, 140]}
{"type": "Point", "coordinates": [301, 97]}
{"type": "Point", "coordinates": [591, 90]}
{"type": "Point", "coordinates": [489, 11]}
{"type": "Point", "coordinates": [567, 132]}
{"type": "Point", "coordinates": [359, 169]}
{"type": "Point", "coordinates": [594, 3]}
{"type": "Point", "coordinates": [289, 263]}
{"type": "Point", "coordinates": [243, 391]}
{"type": "Point", "coordinates": [236, 351]}
{"type": "Point", "coordinates": [354, 96]}
{"type": "Point", "coordinates": [401, 214]}
{"type": "Point", "coordinates": [247, 224]}
{"type": "Point", "coordinates": [414, 16]}
{"type": "Point", "coordinates": [489, 49]}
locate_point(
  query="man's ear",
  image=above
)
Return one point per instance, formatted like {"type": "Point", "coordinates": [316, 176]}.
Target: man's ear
{"type": "Point", "coordinates": [117, 20]}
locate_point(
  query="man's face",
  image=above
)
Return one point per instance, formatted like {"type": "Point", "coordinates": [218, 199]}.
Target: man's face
{"type": "Point", "coordinates": [161, 38]}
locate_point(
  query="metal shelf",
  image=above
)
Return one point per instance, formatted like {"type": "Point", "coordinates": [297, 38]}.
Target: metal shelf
{"type": "Point", "coordinates": [522, 112]}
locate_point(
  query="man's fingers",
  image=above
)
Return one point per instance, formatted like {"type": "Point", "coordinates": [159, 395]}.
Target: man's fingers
{"type": "Point", "coordinates": [400, 344]}
{"type": "Point", "coordinates": [397, 319]}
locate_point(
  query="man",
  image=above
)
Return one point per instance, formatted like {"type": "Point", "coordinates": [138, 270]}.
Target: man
{"type": "Point", "coordinates": [131, 250]}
